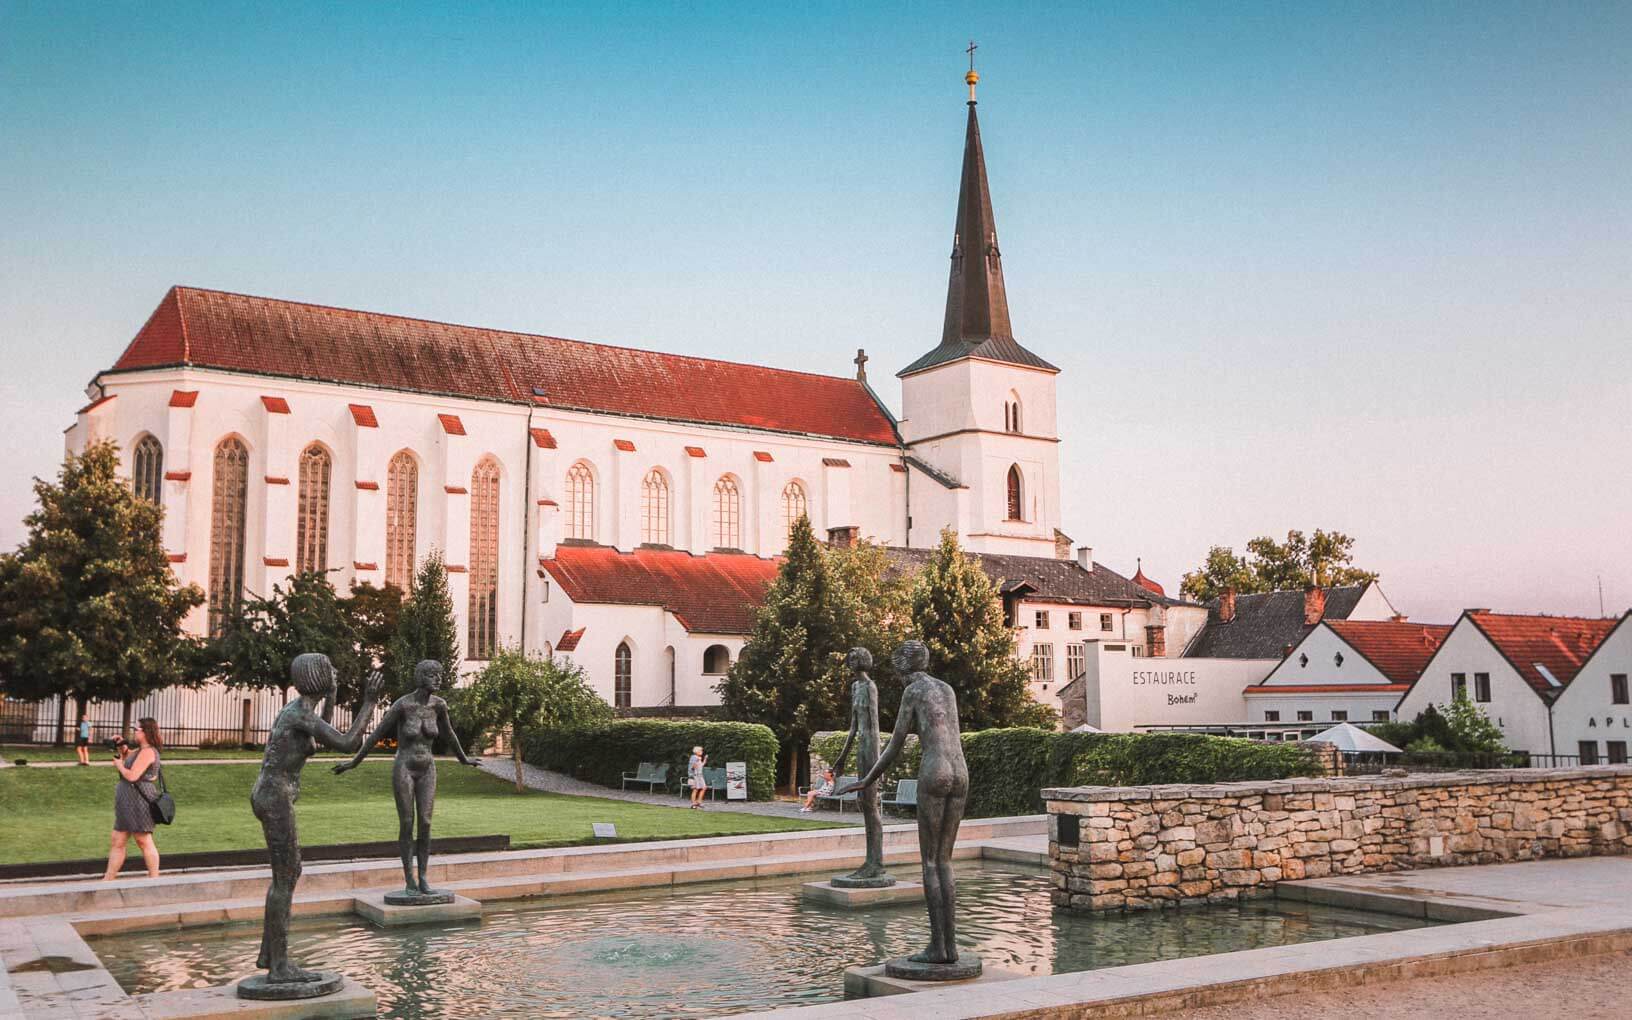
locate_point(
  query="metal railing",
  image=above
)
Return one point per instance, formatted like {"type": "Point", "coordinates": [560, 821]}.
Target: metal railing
{"type": "Point", "coordinates": [209, 716]}
{"type": "Point", "coordinates": [1362, 763]}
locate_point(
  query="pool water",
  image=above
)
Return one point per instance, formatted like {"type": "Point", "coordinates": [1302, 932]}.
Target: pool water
{"type": "Point", "coordinates": [710, 949]}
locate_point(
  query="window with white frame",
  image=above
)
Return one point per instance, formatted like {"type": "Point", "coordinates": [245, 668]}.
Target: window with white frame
{"type": "Point", "coordinates": [654, 508]}
{"type": "Point", "coordinates": [1076, 660]}
{"type": "Point", "coordinates": [147, 469]}
{"type": "Point", "coordinates": [401, 519]}
{"type": "Point", "coordinates": [727, 514]}
{"type": "Point", "coordinates": [580, 502]}
{"type": "Point", "coordinates": [1073, 621]}
{"type": "Point", "coordinates": [483, 624]}
{"type": "Point", "coordinates": [1040, 619]}
{"type": "Point", "coordinates": [794, 506]}
{"type": "Point", "coordinates": [312, 511]}
{"type": "Point", "coordinates": [229, 496]}
{"type": "Point", "coordinates": [1105, 623]}
{"type": "Point", "coordinates": [1042, 663]}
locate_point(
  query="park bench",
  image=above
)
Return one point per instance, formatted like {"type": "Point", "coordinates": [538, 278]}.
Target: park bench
{"type": "Point", "coordinates": [849, 798]}
{"type": "Point", "coordinates": [714, 780]}
{"type": "Point", "coordinates": [652, 775]}
{"type": "Point", "coordinates": [906, 795]}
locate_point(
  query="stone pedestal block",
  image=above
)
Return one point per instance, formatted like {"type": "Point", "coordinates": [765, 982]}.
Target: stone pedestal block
{"type": "Point", "coordinates": [378, 908]}
{"type": "Point", "coordinates": [350, 1002]}
{"type": "Point", "coordinates": [870, 982]}
{"type": "Point", "coordinates": [838, 896]}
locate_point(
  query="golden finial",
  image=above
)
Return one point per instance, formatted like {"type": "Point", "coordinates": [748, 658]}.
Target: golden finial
{"type": "Point", "coordinates": [971, 78]}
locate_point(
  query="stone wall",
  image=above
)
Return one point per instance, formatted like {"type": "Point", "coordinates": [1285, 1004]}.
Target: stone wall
{"type": "Point", "coordinates": [1132, 848]}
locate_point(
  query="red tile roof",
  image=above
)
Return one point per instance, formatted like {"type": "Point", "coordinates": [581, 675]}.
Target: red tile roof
{"type": "Point", "coordinates": [569, 640]}
{"type": "Point", "coordinates": [93, 405]}
{"type": "Point", "coordinates": [265, 336]}
{"type": "Point", "coordinates": [451, 424]}
{"type": "Point", "coordinates": [363, 415]}
{"type": "Point", "coordinates": [1399, 650]}
{"type": "Point", "coordinates": [1558, 644]}
{"type": "Point", "coordinates": [183, 398]}
{"type": "Point", "coordinates": [718, 593]}
{"type": "Point", "coordinates": [275, 405]}
{"type": "Point", "coordinates": [1146, 583]}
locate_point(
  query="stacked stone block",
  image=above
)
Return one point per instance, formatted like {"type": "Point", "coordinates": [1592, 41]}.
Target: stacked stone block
{"type": "Point", "coordinates": [1136, 848]}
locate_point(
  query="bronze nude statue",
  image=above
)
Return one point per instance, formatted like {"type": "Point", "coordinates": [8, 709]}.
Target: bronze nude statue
{"type": "Point", "coordinates": [296, 733]}
{"type": "Point", "coordinates": [929, 708]}
{"type": "Point", "coordinates": [863, 736]}
{"type": "Point", "coordinates": [415, 720]}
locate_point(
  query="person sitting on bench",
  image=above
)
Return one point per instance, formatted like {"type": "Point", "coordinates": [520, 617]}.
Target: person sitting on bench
{"type": "Point", "coordinates": [821, 789]}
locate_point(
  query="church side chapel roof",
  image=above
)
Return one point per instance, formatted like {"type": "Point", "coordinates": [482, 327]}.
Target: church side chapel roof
{"type": "Point", "coordinates": [290, 339]}
{"type": "Point", "coordinates": [1266, 623]}
{"type": "Point", "coordinates": [1046, 579]}
{"type": "Point", "coordinates": [718, 593]}
{"type": "Point", "coordinates": [1400, 650]}
{"type": "Point", "coordinates": [1558, 645]}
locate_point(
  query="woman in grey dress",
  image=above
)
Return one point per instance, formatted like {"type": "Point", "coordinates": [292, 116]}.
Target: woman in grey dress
{"type": "Point", "coordinates": [133, 799]}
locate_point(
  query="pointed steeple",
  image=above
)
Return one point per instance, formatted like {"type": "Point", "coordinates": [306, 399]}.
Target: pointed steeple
{"type": "Point", "coordinates": [977, 304]}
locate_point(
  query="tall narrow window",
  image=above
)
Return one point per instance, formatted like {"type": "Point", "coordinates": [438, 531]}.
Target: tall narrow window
{"type": "Point", "coordinates": [483, 623]}
{"type": "Point", "coordinates": [654, 508]}
{"type": "Point", "coordinates": [794, 506]}
{"type": "Point", "coordinates": [401, 518]}
{"type": "Point", "coordinates": [147, 469]}
{"type": "Point", "coordinates": [623, 676]}
{"type": "Point", "coordinates": [1042, 663]}
{"type": "Point", "coordinates": [727, 514]}
{"type": "Point", "coordinates": [229, 494]}
{"type": "Point", "coordinates": [1014, 492]}
{"type": "Point", "coordinates": [312, 513]}
{"type": "Point", "coordinates": [580, 502]}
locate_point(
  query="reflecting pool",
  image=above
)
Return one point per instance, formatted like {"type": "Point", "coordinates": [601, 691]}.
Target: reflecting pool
{"type": "Point", "coordinates": [710, 949]}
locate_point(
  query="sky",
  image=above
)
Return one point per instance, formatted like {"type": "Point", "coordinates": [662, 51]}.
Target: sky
{"type": "Point", "coordinates": [1355, 266]}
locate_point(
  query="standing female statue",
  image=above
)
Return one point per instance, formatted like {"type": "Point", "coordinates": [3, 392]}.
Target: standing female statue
{"type": "Point", "coordinates": [415, 719]}
{"type": "Point", "coordinates": [295, 735]}
{"type": "Point", "coordinates": [929, 708]}
{"type": "Point", "coordinates": [863, 736]}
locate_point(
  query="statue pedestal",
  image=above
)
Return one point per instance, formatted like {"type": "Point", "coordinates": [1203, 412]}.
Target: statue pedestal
{"type": "Point", "coordinates": [870, 982]}
{"type": "Point", "coordinates": [832, 895]}
{"type": "Point", "coordinates": [260, 986]}
{"type": "Point", "coordinates": [390, 909]}
{"type": "Point", "coordinates": [349, 1001]}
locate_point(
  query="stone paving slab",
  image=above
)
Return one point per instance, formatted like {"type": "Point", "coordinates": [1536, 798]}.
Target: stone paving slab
{"type": "Point", "coordinates": [352, 1001]}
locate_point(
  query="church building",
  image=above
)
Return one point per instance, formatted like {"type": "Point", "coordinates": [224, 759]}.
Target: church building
{"type": "Point", "coordinates": [619, 506]}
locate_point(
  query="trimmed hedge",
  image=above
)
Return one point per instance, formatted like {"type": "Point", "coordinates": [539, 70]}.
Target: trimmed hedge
{"type": "Point", "coordinates": [1009, 768]}
{"type": "Point", "coordinates": [602, 753]}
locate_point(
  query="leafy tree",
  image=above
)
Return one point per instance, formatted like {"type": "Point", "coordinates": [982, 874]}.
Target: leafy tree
{"type": "Point", "coordinates": [877, 598]}
{"type": "Point", "coordinates": [1471, 728]}
{"type": "Point", "coordinates": [265, 634]}
{"type": "Point", "coordinates": [790, 674]}
{"type": "Point", "coordinates": [374, 614]}
{"type": "Point", "coordinates": [525, 694]}
{"type": "Point", "coordinates": [957, 613]}
{"type": "Point", "coordinates": [1326, 560]}
{"type": "Point", "coordinates": [425, 628]}
{"type": "Point", "coordinates": [89, 608]}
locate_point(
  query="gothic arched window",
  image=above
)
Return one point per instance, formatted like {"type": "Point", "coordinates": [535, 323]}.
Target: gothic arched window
{"type": "Point", "coordinates": [794, 506]}
{"type": "Point", "coordinates": [1011, 413]}
{"type": "Point", "coordinates": [727, 514]}
{"type": "Point", "coordinates": [483, 623]}
{"type": "Point", "coordinates": [229, 495]}
{"type": "Point", "coordinates": [1015, 504]}
{"type": "Point", "coordinates": [401, 518]}
{"type": "Point", "coordinates": [654, 508]}
{"type": "Point", "coordinates": [147, 469]}
{"type": "Point", "coordinates": [623, 676]}
{"type": "Point", "coordinates": [312, 511]}
{"type": "Point", "coordinates": [580, 502]}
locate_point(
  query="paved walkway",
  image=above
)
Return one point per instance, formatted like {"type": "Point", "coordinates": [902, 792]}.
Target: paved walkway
{"type": "Point", "coordinates": [554, 782]}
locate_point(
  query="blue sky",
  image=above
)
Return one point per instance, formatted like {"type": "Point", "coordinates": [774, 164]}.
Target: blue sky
{"type": "Point", "coordinates": [1364, 266]}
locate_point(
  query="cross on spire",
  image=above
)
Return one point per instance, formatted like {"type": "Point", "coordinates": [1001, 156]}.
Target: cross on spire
{"type": "Point", "coordinates": [971, 51]}
{"type": "Point", "coordinates": [971, 78]}
{"type": "Point", "coordinates": [861, 363]}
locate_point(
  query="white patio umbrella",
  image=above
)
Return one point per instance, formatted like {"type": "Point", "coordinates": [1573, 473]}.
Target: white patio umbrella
{"type": "Point", "coordinates": [1085, 728]}
{"type": "Point", "coordinates": [1345, 737]}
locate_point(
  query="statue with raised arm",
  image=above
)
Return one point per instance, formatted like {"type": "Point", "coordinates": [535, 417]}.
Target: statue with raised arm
{"type": "Point", "coordinates": [296, 734]}
{"type": "Point", "coordinates": [863, 736]}
{"type": "Point", "coordinates": [415, 720]}
{"type": "Point", "coordinates": [929, 708]}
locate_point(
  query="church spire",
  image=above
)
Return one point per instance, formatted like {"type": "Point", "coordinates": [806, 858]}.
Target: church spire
{"type": "Point", "coordinates": [977, 304]}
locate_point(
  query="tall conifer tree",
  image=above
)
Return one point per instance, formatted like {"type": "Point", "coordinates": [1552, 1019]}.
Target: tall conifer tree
{"type": "Point", "coordinates": [426, 628]}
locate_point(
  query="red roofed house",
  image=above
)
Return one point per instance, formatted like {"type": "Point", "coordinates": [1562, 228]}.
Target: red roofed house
{"type": "Point", "coordinates": [1344, 671]}
{"type": "Point", "coordinates": [1523, 671]}
{"type": "Point", "coordinates": [314, 437]}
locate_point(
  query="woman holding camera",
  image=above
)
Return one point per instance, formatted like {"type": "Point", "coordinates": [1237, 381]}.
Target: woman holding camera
{"type": "Point", "coordinates": [133, 799]}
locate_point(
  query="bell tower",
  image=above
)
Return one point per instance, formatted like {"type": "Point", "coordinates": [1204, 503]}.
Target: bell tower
{"type": "Point", "coordinates": [978, 413]}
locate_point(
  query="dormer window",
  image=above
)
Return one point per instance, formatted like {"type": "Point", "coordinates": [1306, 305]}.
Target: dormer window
{"type": "Point", "coordinates": [1338, 659]}
{"type": "Point", "coordinates": [1303, 660]}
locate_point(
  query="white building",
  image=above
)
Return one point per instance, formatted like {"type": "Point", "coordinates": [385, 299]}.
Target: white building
{"type": "Point", "coordinates": [1344, 671]}
{"type": "Point", "coordinates": [618, 505]}
{"type": "Point", "coordinates": [1518, 668]}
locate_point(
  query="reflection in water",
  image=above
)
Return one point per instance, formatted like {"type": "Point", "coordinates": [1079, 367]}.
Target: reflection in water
{"type": "Point", "coordinates": [708, 950]}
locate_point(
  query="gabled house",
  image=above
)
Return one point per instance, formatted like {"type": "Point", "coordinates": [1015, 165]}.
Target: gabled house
{"type": "Point", "coordinates": [1592, 717]}
{"type": "Point", "coordinates": [1268, 624]}
{"type": "Point", "coordinates": [1345, 671]}
{"type": "Point", "coordinates": [1515, 667]}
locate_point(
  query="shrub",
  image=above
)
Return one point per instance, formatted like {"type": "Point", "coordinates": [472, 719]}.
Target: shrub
{"type": "Point", "coordinates": [826, 746]}
{"type": "Point", "coordinates": [1008, 770]}
{"type": "Point", "coordinates": [602, 753]}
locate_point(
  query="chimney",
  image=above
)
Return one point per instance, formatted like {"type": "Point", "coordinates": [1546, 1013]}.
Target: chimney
{"type": "Point", "coordinates": [1398, 618]}
{"type": "Point", "coordinates": [1226, 606]}
{"type": "Point", "coordinates": [1156, 641]}
{"type": "Point", "coordinates": [842, 538]}
{"type": "Point", "coordinates": [1085, 557]}
{"type": "Point", "coordinates": [1314, 605]}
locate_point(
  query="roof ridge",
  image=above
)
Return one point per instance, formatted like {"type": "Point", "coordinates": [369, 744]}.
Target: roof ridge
{"type": "Point", "coordinates": [176, 288]}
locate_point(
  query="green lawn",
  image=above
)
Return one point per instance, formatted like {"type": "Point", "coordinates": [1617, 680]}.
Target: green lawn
{"type": "Point", "coordinates": [65, 814]}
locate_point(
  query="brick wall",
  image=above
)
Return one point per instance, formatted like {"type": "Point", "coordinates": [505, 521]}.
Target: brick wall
{"type": "Point", "coordinates": [1133, 848]}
